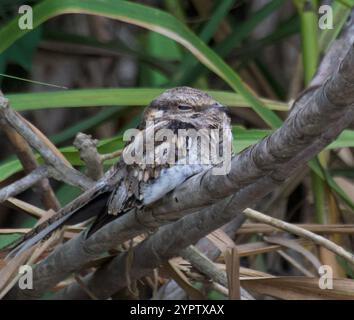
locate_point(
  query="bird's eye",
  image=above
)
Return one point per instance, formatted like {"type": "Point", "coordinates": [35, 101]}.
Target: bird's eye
{"type": "Point", "coordinates": [184, 107]}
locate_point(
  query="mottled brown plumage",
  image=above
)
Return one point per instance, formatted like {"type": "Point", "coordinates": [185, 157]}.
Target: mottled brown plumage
{"type": "Point", "coordinates": [137, 184]}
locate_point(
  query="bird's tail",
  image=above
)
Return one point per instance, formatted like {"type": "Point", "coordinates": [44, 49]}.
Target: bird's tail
{"type": "Point", "coordinates": [87, 205]}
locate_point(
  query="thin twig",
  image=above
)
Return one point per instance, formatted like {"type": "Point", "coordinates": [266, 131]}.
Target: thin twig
{"type": "Point", "coordinates": [32, 210]}
{"type": "Point", "coordinates": [250, 228]}
{"type": "Point", "coordinates": [202, 263]}
{"type": "Point", "coordinates": [24, 183]}
{"type": "Point", "coordinates": [13, 231]}
{"type": "Point", "coordinates": [110, 156]}
{"type": "Point", "coordinates": [340, 251]}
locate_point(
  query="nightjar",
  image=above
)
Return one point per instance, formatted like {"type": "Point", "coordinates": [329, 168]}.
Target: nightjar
{"type": "Point", "coordinates": [182, 132]}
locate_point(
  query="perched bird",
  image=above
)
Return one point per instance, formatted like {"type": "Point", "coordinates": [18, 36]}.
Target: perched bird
{"type": "Point", "coordinates": [148, 170]}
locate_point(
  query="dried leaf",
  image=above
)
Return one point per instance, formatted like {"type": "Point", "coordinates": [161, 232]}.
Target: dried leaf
{"type": "Point", "coordinates": [221, 240]}
{"type": "Point", "coordinates": [254, 248]}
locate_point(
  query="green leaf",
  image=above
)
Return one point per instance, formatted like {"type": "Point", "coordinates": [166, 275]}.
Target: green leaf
{"type": "Point", "coordinates": [217, 15]}
{"type": "Point", "coordinates": [9, 167]}
{"type": "Point", "coordinates": [114, 97]}
{"type": "Point", "coordinates": [322, 174]}
{"type": "Point", "coordinates": [309, 39]}
{"type": "Point", "coordinates": [22, 51]}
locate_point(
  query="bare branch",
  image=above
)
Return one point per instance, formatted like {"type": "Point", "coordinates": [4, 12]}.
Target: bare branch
{"type": "Point", "coordinates": [64, 170]}
{"type": "Point", "coordinates": [88, 153]}
{"type": "Point", "coordinates": [24, 183]}
{"type": "Point", "coordinates": [208, 267]}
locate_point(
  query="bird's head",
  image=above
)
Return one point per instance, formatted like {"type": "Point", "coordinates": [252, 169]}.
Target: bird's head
{"type": "Point", "coordinates": [187, 105]}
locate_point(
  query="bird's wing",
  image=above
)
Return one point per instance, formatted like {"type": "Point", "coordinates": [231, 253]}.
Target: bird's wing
{"type": "Point", "coordinates": [162, 168]}
{"type": "Point", "coordinates": [128, 193]}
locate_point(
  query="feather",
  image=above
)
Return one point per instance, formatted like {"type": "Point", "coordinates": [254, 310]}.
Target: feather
{"type": "Point", "coordinates": [168, 180]}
